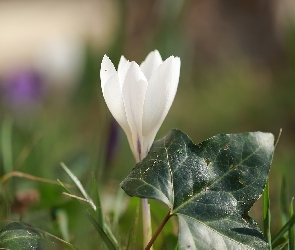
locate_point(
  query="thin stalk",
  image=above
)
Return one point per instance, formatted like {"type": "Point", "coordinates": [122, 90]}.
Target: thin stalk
{"type": "Point", "coordinates": [6, 177]}
{"type": "Point", "coordinates": [146, 212]}
{"type": "Point", "coordinates": [149, 245]}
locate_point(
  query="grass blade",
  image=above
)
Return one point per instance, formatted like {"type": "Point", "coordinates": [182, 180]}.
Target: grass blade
{"type": "Point", "coordinates": [283, 200]}
{"type": "Point", "coordinates": [107, 240]}
{"type": "Point", "coordinates": [284, 229]}
{"type": "Point", "coordinates": [79, 185]}
{"type": "Point", "coordinates": [131, 239]}
{"type": "Point", "coordinates": [9, 175]}
{"type": "Point", "coordinates": [59, 239]}
{"type": "Point", "coordinates": [291, 229]}
{"type": "Point", "coordinates": [6, 145]}
{"type": "Point", "coordinates": [110, 234]}
{"type": "Point", "coordinates": [118, 207]}
{"type": "Point", "coordinates": [281, 246]}
{"type": "Point", "coordinates": [99, 212]}
{"type": "Point", "coordinates": [266, 215]}
{"type": "Point", "coordinates": [62, 221]}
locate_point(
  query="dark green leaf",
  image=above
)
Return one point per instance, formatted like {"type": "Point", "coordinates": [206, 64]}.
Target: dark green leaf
{"type": "Point", "coordinates": [210, 186]}
{"type": "Point", "coordinates": [22, 236]}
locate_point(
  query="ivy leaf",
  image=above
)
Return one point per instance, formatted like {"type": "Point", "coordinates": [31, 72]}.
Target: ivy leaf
{"type": "Point", "coordinates": [210, 186]}
{"type": "Point", "coordinates": [21, 236]}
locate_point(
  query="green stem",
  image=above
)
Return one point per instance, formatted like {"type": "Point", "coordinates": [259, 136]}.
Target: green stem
{"type": "Point", "coordinates": [149, 245]}
{"type": "Point", "coordinates": [146, 212]}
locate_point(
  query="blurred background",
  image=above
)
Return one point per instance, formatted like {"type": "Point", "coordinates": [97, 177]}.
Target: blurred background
{"type": "Point", "coordinates": [237, 75]}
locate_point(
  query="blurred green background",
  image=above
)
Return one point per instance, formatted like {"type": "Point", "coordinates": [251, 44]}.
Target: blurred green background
{"type": "Point", "coordinates": [237, 75]}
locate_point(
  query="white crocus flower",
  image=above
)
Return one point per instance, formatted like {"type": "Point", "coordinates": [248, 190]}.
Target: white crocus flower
{"type": "Point", "coordinates": [139, 97]}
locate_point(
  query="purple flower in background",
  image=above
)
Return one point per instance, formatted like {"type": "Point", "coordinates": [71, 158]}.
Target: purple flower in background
{"type": "Point", "coordinates": [22, 90]}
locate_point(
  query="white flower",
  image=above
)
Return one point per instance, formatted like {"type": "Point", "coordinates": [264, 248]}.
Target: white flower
{"type": "Point", "coordinates": [139, 97]}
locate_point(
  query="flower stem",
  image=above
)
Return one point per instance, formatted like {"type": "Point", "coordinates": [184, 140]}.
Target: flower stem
{"type": "Point", "coordinates": [146, 222]}
{"type": "Point", "coordinates": [149, 245]}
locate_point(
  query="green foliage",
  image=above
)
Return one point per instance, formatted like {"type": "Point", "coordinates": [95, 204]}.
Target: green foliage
{"type": "Point", "coordinates": [291, 229]}
{"type": "Point", "coordinates": [210, 186]}
{"type": "Point", "coordinates": [131, 239]}
{"type": "Point", "coordinates": [279, 237]}
{"type": "Point", "coordinates": [99, 212]}
{"type": "Point", "coordinates": [6, 144]}
{"type": "Point", "coordinates": [21, 236]}
{"type": "Point", "coordinates": [107, 235]}
{"type": "Point", "coordinates": [283, 203]}
{"type": "Point", "coordinates": [62, 221]}
{"type": "Point", "coordinates": [266, 215]}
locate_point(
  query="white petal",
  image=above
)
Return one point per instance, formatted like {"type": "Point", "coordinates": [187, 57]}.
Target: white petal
{"type": "Point", "coordinates": [134, 89]}
{"type": "Point", "coordinates": [122, 62]}
{"type": "Point", "coordinates": [159, 97]}
{"type": "Point", "coordinates": [123, 67]}
{"type": "Point", "coordinates": [151, 63]}
{"type": "Point", "coordinates": [107, 70]}
{"type": "Point", "coordinates": [113, 97]}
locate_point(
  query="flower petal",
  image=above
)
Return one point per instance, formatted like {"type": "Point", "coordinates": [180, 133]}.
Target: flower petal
{"type": "Point", "coordinates": [123, 67]}
{"type": "Point", "coordinates": [122, 62]}
{"type": "Point", "coordinates": [107, 70]}
{"type": "Point", "coordinates": [159, 97]}
{"type": "Point", "coordinates": [113, 97]}
{"type": "Point", "coordinates": [134, 89]}
{"type": "Point", "coordinates": [151, 63]}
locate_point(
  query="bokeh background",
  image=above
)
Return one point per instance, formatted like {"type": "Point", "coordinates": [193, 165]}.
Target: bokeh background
{"type": "Point", "coordinates": [237, 75]}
